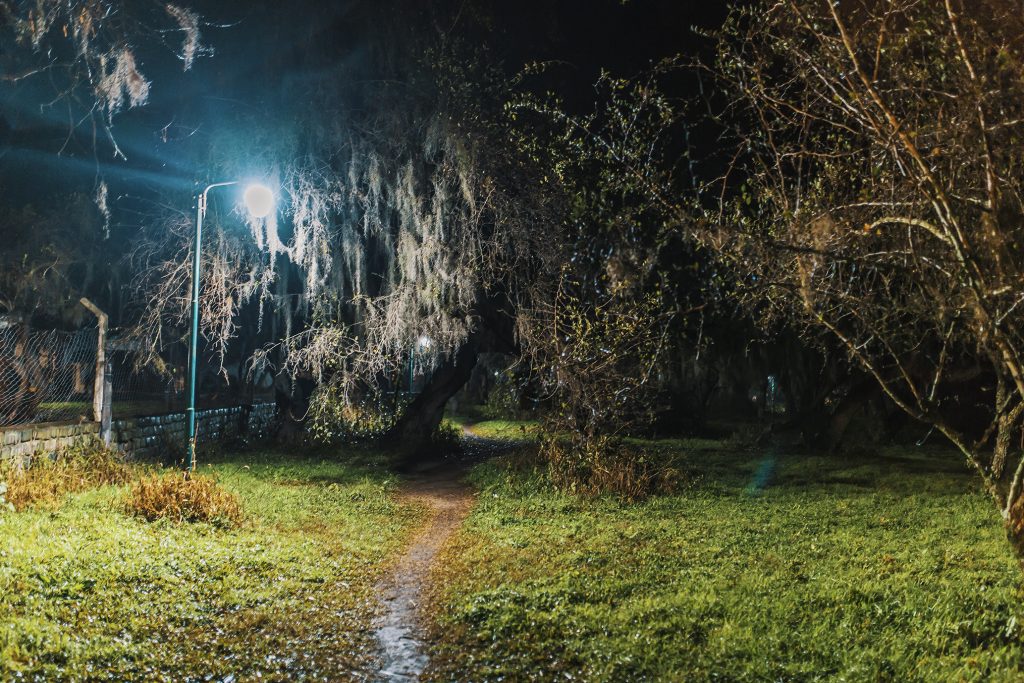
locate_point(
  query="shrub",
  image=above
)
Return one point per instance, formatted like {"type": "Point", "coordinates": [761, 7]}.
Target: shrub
{"type": "Point", "coordinates": [600, 353]}
{"type": "Point", "coordinates": [48, 480]}
{"type": "Point", "coordinates": [170, 495]}
{"type": "Point", "coordinates": [333, 418]}
{"type": "Point", "coordinates": [502, 401]}
{"type": "Point", "coordinates": [606, 465]}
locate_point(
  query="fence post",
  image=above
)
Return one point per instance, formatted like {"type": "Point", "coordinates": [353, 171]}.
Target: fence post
{"type": "Point", "coordinates": [101, 408]}
{"type": "Point", "coordinates": [106, 412]}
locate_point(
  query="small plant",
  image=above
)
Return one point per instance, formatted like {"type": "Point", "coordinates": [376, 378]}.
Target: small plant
{"type": "Point", "coordinates": [48, 480]}
{"type": "Point", "coordinates": [170, 495]}
{"type": "Point", "coordinates": [171, 450]}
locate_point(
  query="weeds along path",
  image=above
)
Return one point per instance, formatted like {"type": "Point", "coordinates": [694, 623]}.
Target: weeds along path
{"type": "Point", "coordinates": [447, 501]}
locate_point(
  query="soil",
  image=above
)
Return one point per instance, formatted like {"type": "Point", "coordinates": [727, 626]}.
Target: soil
{"type": "Point", "coordinates": [398, 628]}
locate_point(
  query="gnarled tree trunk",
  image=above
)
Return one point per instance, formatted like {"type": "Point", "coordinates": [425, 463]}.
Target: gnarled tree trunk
{"type": "Point", "coordinates": [411, 435]}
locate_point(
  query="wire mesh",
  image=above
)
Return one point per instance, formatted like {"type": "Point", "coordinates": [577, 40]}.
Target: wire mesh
{"type": "Point", "coordinates": [142, 390]}
{"type": "Point", "coordinates": [49, 376]}
{"type": "Point", "coordinates": [46, 375]}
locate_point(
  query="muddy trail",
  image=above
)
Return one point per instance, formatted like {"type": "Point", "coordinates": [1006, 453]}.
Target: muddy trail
{"type": "Point", "coordinates": [439, 488]}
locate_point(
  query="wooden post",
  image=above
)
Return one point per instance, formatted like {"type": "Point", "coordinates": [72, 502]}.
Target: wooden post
{"type": "Point", "coordinates": [102, 385]}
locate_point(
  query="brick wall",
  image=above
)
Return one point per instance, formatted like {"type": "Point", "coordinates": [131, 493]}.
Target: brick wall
{"type": "Point", "coordinates": [137, 436]}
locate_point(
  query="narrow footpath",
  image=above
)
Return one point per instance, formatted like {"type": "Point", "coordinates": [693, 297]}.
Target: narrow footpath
{"type": "Point", "coordinates": [398, 628]}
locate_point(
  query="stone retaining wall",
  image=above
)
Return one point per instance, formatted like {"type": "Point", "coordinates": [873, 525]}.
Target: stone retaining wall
{"type": "Point", "coordinates": [136, 436]}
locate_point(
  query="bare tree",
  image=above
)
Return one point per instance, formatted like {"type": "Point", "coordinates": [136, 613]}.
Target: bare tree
{"type": "Point", "coordinates": [879, 200]}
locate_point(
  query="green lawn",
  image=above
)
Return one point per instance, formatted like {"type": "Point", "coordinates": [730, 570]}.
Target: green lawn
{"type": "Point", "coordinates": [763, 568]}
{"type": "Point", "coordinates": [514, 430]}
{"type": "Point", "coordinates": [88, 593]}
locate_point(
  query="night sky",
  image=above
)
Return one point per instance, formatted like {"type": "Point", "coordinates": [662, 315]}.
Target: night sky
{"type": "Point", "coordinates": [268, 54]}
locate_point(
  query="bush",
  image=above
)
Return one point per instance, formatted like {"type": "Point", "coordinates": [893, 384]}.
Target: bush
{"type": "Point", "coordinates": [334, 419]}
{"type": "Point", "coordinates": [170, 495]}
{"type": "Point", "coordinates": [48, 480]}
{"type": "Point", "coordinates": [599, 353]}
{"type": "Point", "coordinates": [604, 465]}
{"type": "Point", "coordinates": [503, 399]}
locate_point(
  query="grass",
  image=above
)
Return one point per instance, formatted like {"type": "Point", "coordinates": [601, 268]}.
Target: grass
{"type": "Point", "coordinates": [778, 567]}
{"type": "Point", "coordinates": [515, 430]}
{"type": "Point", "coordinates": [88, 592]}
{"type": "Point", "coordinates": [48, 481]}
{"type": "Point", "coordinates": [169, 495]}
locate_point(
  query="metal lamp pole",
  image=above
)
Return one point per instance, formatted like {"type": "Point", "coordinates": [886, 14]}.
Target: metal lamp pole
{"type": "Point", "coordinates": [259, 199]}
{"type": "Point", "coordinates": [193, 337]}
{"type": "Point", "coordinates": [422, 344]}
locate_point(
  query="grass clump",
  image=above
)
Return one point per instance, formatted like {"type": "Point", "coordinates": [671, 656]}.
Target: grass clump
{"type": "Point", "coordinates": [180, 498]}
{"type": "Point", "coordinates": [601, 466]}
{"type": "Point", "coordinates": [48, 481]}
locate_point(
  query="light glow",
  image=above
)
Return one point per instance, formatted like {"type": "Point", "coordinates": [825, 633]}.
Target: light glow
{"type": "Point", "coordinates": [259, 200]}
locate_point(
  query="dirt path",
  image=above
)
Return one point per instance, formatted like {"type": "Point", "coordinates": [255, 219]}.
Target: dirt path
{"type": "Point", "coordinates": [397, 628]}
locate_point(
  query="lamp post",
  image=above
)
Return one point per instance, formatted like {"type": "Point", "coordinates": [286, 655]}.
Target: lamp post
{"type": "Point", "coordinates": [259, 200]}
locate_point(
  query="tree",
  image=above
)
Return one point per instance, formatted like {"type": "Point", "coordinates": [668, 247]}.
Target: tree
{"type": "Point", "coordinates": [878, 202]}
{"type": "Point", "coordinates": [411, 218]}
{"type": "Point", "coordinates": [598, 335]}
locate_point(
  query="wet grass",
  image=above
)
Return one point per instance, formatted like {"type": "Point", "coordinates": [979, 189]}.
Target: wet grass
{"type": "Point", "coordinates": [765, 567]}
{"type": "Point", "coordinates": [88, 592]}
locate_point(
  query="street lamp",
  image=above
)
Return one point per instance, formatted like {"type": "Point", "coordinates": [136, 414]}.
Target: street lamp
{"type": "Point", "coordinates": [259, 200]}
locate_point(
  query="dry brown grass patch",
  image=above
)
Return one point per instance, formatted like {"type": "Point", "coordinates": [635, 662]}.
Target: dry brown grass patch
{"type": "Point", "coordinates": [169, 495]}
{"type": "Point", "coordinates": [47, 481]}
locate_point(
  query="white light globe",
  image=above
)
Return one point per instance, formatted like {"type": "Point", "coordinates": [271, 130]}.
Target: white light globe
{"type": "Point", "coordinates": [424, 342]}
{"type": "Point", "coordinates": [259, 200]}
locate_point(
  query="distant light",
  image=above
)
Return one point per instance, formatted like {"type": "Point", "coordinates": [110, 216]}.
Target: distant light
{"type": "Point", "coordinates": [259, 200]}
{"type": "Point", "coordinates": [424, 342]}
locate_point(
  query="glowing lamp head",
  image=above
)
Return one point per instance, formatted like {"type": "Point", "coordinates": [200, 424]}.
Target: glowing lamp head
{"type": "Point", "coordinates": [259, 200]}
{"type": "Point", "coordinates": [424, 342]}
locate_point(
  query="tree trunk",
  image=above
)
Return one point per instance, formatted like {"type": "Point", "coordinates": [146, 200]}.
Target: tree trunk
{"type": "Point", "coordinates": [411, 435]}
{"type": "Point", "coordinates": [291, 395]}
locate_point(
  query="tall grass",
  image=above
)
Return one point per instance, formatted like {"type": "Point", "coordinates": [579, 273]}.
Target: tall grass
{"type": "Point", "coordinates": [48, 481]}
{"type": "Point", "coordinates": [173, 496]}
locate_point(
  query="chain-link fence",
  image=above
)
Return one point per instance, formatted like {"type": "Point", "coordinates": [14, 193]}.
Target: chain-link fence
{"type": "Point", "coordinates": [45, 375]}
{"type": "Point", "coordinates": [50, 376]}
